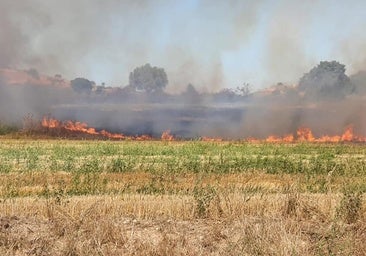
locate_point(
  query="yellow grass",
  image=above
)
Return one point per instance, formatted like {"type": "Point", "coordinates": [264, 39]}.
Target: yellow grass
{"type": "Point", "coordinates": [168, 225]}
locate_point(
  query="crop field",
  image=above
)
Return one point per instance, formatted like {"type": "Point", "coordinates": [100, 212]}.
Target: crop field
{"type": "Point", "coordinates": [92, 197]}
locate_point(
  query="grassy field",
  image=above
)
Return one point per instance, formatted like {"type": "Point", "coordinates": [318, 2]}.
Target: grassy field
{"type": "Point", "coordinates": [63, 197]}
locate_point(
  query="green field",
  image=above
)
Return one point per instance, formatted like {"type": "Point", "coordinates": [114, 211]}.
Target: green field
{"type": "Point", "coordinates": [311, 194]}
{"type": "Point", "coordinates": [92, 167]}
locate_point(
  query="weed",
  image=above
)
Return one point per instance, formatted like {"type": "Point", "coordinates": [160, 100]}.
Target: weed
{"type": "Point", "coordinates": [349, 209]}
{"type": "Point", "coordinates": [118, 165]}
{"type": "Point", "coordinates": [7, 129]}
{"type": "Point", "coordinates": [203, 197]}
{"type": "Point", "coordinates": [32, 158]}
{"type": "Point", "coordinates": [5, 168]}
{"type": "Point", "coordinates": [87, 183]}
{"type": "Point", "coordinates": [90, 166]}
{"type": "Point", "coordinates": [68, 164]}
{"type": "Point", "coordinates": [292, 202]}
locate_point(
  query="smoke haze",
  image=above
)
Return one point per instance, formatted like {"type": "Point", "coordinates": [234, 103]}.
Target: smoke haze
{"type": "Point", "coordinates": [211, 44]}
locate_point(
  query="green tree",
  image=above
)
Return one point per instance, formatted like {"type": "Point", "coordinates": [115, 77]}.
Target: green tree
{"type": "Point", "coordinates": [191, 91]}
{"type": "Point", "coordinates": [33, 73]}
{"type": "Point", "coordinates": [149, 79]}
{"type": "Point", "coordinates": [326, 80]}
{"type": "Point", "coordinates": [82, 85]}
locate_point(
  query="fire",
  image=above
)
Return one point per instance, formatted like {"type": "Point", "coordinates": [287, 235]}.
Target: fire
{"type": "Point", "coordinates": [288, 138]}
{"type": "Point", "coordinates": [348, 134]}
{"type": "Point", "coordinates": [79, 127]}
{"type": "Point", "coordinates": [167, 136]}
{"type": "Point", "coordinates": [82, 128]}
{"type": "Point", "coordinates": [143, 137]}
{"type": "Point", "coordinates": [50, 123]}
{"type": "Point", "coordinates": [112, 135]}
{"type": "Point", "coordinates": [303, 134]}
{"type": "Point", "coordinates": [253, 140]}
{"type": "Point", "coordinates": [216, 139]}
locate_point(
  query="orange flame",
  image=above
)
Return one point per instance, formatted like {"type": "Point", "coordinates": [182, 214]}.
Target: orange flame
{"type": "Point", "coordinates": [252, 140]}
{"type": "Point", "coordinates": [348, 134]}
{"type": "Point", "coordinates": [210, 139]}
{"type": "Point", "coordinates": [79, 127]}
{"type": "Point", "coordinates": [303, 134]}
{"type": "Point", "coordinates": [50, 123]}
{"type": "Point", "coordinates": [167, 136]}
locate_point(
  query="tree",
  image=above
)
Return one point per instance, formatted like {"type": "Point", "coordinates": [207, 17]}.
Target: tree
{"type": "Point", "coordinates": [327, 80]}
{"type": "Point", "coordinates": [33, 73]}
{"type": "Point", "coordinates": [148, 79]}
{"type": "Point", "coordinates": [82, 85]}
{"type": "Point", "coordinates": [244, 90]}
{"type": "Point", "coordinates": [191, 91]}
{"type": "Point", "coordinates": [190, 95]}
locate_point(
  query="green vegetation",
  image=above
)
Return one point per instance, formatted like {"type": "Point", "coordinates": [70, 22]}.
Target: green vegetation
{"type": "Point", "coordinates": [229, 198]}
{"type": "Point", "coordinates": [7, 129]}
{"type": "Point", "coordinates": [97, 167]}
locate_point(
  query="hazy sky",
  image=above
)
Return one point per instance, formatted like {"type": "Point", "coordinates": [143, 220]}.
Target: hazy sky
{"type": "Point", "coordinates": [209, 43]}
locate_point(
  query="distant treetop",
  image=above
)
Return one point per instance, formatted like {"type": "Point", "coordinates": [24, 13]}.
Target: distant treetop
{"type": "Point", "coordinates": [326, 80]}
{"type": "Point", "coordinates": [82, 85]}
{"type": "Point", "coordinates": [148, 79]}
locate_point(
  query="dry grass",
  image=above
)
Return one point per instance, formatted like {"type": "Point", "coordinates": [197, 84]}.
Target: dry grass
{"type": "Point", "coordinates": [38, 183]}
{"type": "Point", "coordinates": [35, 183]}
{"type": "Point", "coordinates": [235, 224]}
{"type": "Point", "coordinates": [194, 198]}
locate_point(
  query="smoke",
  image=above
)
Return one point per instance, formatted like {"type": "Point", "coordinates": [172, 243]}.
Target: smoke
{"type": "Point", "coordinates": [210, 44]}
{"type": "Point", "coordinates": [35, 96]}
{"type": "Point", "coordinates": [12, 37]}
{"type": "Point", "coordinates": [188, 115]}
{"type": "Point", "coordinates": [104, 41]}
{"type": "Point", "coordinates": [285, 51]}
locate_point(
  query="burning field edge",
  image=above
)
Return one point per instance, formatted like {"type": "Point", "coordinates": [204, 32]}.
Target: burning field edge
{"type": "Point", "coordinates": [51, 127]}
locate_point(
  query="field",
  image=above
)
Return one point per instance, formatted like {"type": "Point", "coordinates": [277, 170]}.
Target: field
{"type": "Point", "coordinates": [74, 197]}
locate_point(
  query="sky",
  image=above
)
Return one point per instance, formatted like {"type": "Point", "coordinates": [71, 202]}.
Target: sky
{"type": "Point", "coordinates": [211, 44]}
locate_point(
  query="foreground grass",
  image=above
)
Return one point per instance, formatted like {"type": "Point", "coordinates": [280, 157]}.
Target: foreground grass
{"type": "Point", "coordinates": [35, 168]}
{"type": "Point", "coordinates": [289, 224]}
{"type": "Point", "coordinates": [62, 197]}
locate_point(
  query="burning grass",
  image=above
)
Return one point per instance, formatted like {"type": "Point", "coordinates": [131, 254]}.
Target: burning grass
{"type": "Point", "coordinates": [75, 129]}
{"type": "Point", "coordinates": [61, 197]}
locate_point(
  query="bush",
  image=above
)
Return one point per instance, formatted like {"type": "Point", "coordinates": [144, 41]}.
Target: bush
{"type": "Point", "coordinates": [7, 129]}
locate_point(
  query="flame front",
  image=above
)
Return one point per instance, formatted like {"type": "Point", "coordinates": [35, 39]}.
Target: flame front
{"type": "Point", "coordinates": [50, 123]}
{"type": "Point", "coordinates": [167, 136]}
{"type": "Point", "coordinates": [303, 134]}
{"type": "Point", "coordinates": [80, 127]}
